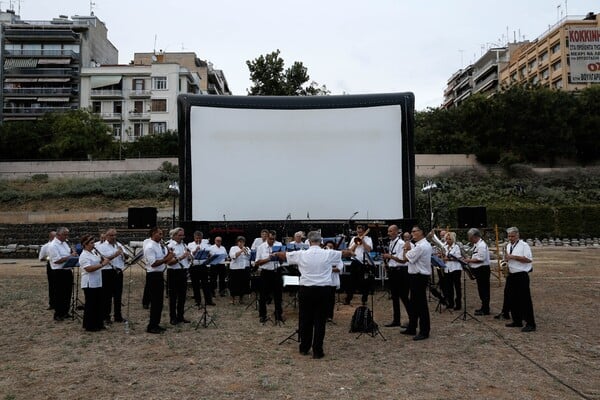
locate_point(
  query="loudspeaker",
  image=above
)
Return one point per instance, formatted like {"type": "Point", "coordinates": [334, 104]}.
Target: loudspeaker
{"type": "Point", "coordinates": [472, 217]}
{"type": "Point", "coordinates": [141, 217]}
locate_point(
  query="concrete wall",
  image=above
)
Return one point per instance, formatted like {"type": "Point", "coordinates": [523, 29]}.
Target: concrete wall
{"type": "Point", "coordinates": [425, 165]}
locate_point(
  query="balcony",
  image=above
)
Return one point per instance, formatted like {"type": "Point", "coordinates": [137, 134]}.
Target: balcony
{"type": "Point", "coordinates": [139, 94]}
{"type": "Point", "coordinates": [34, 91]}
{"type": "Point", "coordinates": [41, 72]}
{"type": "Point", "coordinates": [139, 116]}
{"type": "Point", "coordinates": [41, 53]}
{"type": "Point", "coordinates": [115, 94]}
{"type": "Point", "coordinates": [30, 112]}
{"type": "Point", "coordinates": [110, 116]}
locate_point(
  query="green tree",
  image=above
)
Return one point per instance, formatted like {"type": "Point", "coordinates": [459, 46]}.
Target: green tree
{"type": "Point", "coordinates": [155, 145]}
{"type": "Point", "coordinates": [586, 119]}
{"type": "Point", "coordinates": [270, 79]}
{"type": "Point", "coordinates": [75, 134]}
{"type": "Point", "coordinates": [19, 140]}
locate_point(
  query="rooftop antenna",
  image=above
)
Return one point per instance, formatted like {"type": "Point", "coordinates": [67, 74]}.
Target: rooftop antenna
{"type": "Point", "coordinates": [155, 38]}
{"type": "Point", "coordinates": [92, 6]}
{"type": "Point", "coordinates": [558, 13]}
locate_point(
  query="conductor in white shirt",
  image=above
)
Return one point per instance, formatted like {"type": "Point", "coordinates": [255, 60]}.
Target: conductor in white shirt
{"type": "Point", "coordinates": [315, 281]}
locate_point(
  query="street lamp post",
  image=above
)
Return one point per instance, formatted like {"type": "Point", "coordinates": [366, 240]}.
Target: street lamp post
{"type": "Point", "coordinates": [429, 187]}
{"type": "Point", "coordinates": [174, 191]}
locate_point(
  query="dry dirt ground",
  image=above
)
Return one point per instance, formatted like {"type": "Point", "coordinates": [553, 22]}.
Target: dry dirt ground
{"type": "Point", "coordinates": [240, 358]}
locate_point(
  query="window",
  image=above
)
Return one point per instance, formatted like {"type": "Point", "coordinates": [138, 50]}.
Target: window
{"type": "Point", "coordinates": [523, 72]}
{"type": "Point", "coordinates": [117, 107]}
{"type": "Point", "coordinates": [555, 48]}
{"type": "Point", "coordinates": [558, 84]}
{"type": "Point", "coordinates": [158, 127]}
{"type": "Point", "coordinates": [543, 56]}
{"type": "Point", "coordinates": [138, 85]}
{"type": "Point", "coordinates": [159, 105]}
{"type": "Point", "coordinates": [535, 80]}
{"type": "Point", "coordinates": [532, 64]}
{"type": "Point", "coordinates": [138, 130]}
{"type": "Point", "coordinates": [96, 107]}
{"type": "Point", "coordinates": [545, 74]}
{"type": "Point", "coordinates": [159, 83]}
{"type": "Point", "coordinates": [513, 77]}
{"type": "Point", "coordinates": [138, 107]}
{"type": "Point", "coordinates": [116, 130]}
{"type": "Point", "coordinates": [556, 66]}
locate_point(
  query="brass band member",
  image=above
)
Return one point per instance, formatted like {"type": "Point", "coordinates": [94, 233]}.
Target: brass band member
{"type": "Point", "coordinates": [113, 287]}
{"type": "Point", "coordinates": [177, 276]}
{"type": "Point", "coordinates": [397, 270]}
{"type": "Point", "coordinates": [199, 271]}
{"type": "Point", "coordinates": [239, 270]}
{"type": "Point", "coordinates": [315, 280]}
{"type": "Point", "coordinates": [59, 253]}
{"type": "Point", "coordinates": [453, 271]}
{"type": "Point", "coordinates": [264, 234]}
{"type": "Point", "coordinates": [157, 256]}
{"type": "Point", "coordinates": [359, 245]}
{"type": "Point", "coordinates": [91, 265]}
{"type": "Point", "coordinates": [480, 264]}
{"type": "Point", "coordinates": [218, 272]}
{"type": "Point", "coordinates": [419, 271]}
{"type": "Point", "coordinates": [44, 256]}
{"type": "Point", "coordinates": [271, 278]}
{"type": "Point", "coordinates": [518, 256]}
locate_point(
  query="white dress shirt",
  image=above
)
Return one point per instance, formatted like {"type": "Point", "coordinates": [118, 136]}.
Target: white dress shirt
{"type": "Point", "coordinates": [45, 252]}
{"type": "Point", "coordinates": [257, 242]}
{"type": "Point", "coordinates": [215, 250]}
{"type": "Point", "coordinates": [178, 249]}
{"type": "Point", "coordinates": [107, 250]}
{"type": "Point", "coordinates": [419, 258]}
{"type": "Point", "coordinates": [192, 246]}
{"type": "Point", "coordinates": [90, 279]}
{"type": "Point", "coordinates": [58, 250]}
{"type": "Point", "coordinates": [154, 251]}
{"type": "Point", "coordinates": [480, 253]}
{"type": "Point", "coordinates": [315, 265]}
{"type": "Point", "coordinates": [240, 262]}
{"type": "Point", "coordinates": [520, 248]}
{"type": "Point", "coordinates": [452, 265]}
{"type": "Point", "coordinates": [396, 248]}
{"type": "Point", "coordinates": [360, 250]}
{"type": "Point", "coordinates": [264, 251]}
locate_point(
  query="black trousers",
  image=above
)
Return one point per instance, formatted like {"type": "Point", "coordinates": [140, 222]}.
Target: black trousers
{"type": "Point", "coordinates": [93, 313]}
{"type": "Point", "coordinates": [63, 280]}
{"type": "Point", "coordinates": [199, 274]}
{"type": "Point", "coordinates": [218, 274]}
{"type": "Point", "coordinates": [399, 289]}
{"type": "Point", "coordinates": [419, 310]}
{"type": "Point", "coordinates": [520, 303]}
{"type": "Point", "coordinates": [506, 296]}
{"type": "Point", "coordinates": [358, 281]}
{"type": "Point", "coordinates": [156, 288]}
{"type": "Point", "coordinates": [312, 317]}
{"type": "Point", "coordinates": [51, 284]}
{"type": "Point", "coordinates": [177, 282]}
{"type": "Point", "coordinates": [146, 295]}
{"type": "Point", "coordinates": [272, 284]}
{"type": "Point", "coordinates": [482, 276]}
{"type": "Point", "coordinates": [331, 301]}
{"type": "Point", "coordinates": [452, 288]}
{"type": "Point", "coordinates": [108, 287]}
{"type": "Point", "coordinates": [239, 281]}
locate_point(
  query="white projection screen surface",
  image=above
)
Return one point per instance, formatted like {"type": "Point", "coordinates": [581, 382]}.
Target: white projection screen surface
{"type": "Point", "coordinates": [264, 164]}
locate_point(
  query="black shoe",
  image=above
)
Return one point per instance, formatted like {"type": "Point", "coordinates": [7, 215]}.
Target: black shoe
{"type": "Point", "coordinates": [174, 322]}
{"type": "Point", "coordinates": [58, 318]}
{"type": "Point", "coordinates": [408, 332]}
{"type": "Point", "coordinates": [480, 312]}
{"type": "Point", "coordinates": [185, 321]}
{"type": "Point", "coordinates": [528, 328]}
{"type": "Point", "coordinates": [420, 336]}
{"type": "Point", "coordinates": [154, 330]}
{"type": "Point", "coordinates": [211, 304]}
{"type": "Point", "coordinates": [120, 319]}
{"type": "Point", "coordinates": [318, 355]}
{"type": "Point", "coordinates": [263, 320]}
{"type": "Point", "coordinates": [304, 353]}
{"type": "Point", "coordinates": [107, 321]}
{"type": "Point", "coordinates": [161, 328]}
{"type": "Point", "coordinates": [514, 325]}
{"type": "Point", "coordinates": [403, 326]}
{"type": "Point", "coordinates": [67, 315]}
{"type": "Point", "coordinates": [146, 306]}
{"type": "Point", "coordinates": [392, 324]}
{"type": "Point", "coordinates": [50, 308]}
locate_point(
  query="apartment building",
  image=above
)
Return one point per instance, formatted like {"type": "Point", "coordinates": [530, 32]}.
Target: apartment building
{"type": "Point", "coordinates": [543, 61]}
{"type": "Point", "coordinates": [546, 60]}
{"type": "Point", "coordinates": [212, 81]}
{"type": "Point", "coordinates": [137, 100]}
{"type": "Point", "coordinates": [42, 61]}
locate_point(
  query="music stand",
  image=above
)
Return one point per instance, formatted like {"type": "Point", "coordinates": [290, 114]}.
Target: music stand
{"type": "Point", "coordinates": [203, 256]}
{"type": "Point", "coordinates": [374, 331]}
{"type": "Point", "coordinates": [254, 283]}
{"type": "Point", "coordinates": [437, 262]}
{"type": "Point", "coordinates": [76, 304]}
{"type": "Point", "coordinates": [465, 313]}
{"type": "Point", "coordinates": [294, 283]}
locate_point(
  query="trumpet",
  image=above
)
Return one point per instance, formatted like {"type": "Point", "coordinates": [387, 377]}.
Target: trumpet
{"type": "Point", "coordinates": [504, 268]}
{"type": "Point", "coordinates": [359, 239]}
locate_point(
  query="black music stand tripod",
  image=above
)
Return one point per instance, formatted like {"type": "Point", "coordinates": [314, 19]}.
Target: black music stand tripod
{"type": "Point", "coordinates": [76, 304]}
{"type": "Point", "coordinates": [463, 316]}
{"type": "Point", "coordinates": [374, 329]}
{"type": "Point", "coordinates": [206, 319]}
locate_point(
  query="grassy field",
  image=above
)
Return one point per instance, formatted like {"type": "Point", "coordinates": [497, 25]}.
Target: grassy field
{"type": "Point", "coordinates": [240, 358]}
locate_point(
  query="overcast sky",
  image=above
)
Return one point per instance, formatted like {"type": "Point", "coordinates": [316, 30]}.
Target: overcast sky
{"type": "Point", "coordinates": [351, 46]}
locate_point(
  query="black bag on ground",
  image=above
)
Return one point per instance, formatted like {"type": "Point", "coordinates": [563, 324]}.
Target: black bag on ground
{"type": "Point", "coordinates": [362, 320]}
